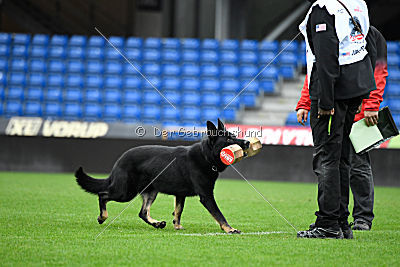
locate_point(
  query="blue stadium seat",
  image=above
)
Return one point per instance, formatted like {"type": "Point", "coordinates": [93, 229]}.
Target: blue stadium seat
{"type": "Point", "coordinates": [93, 95]}
{"type": "Point", "coordinates": [56, 66]}
{"type": "Point", "coordinates": [151, 69]}
{"type": "Point", "coordinates": [59, 40]}
{"type": "Point", "coordinates": [228, 86]}
{"type": "Point", "coordinates": [112, 96]}
{"type": "Point", "coordinates": [113, 67]}
{"type": "Point", "coordinates": [13, 108]}
{"type": "Point", "coordinates": [2, 93]}
{"type": "Point", "coordinates": [209, 70]}
{"type": "Point", "coordinates": [248, 57]}
{"type": "Point", "coordinates": [229, 44]}
{"type": "Point", "coordinates": [231, 100]}
{"type": "Point", "coordinates": [268, 46]}
{"type": "Point", "coordinates": [57, 52]}
{"type": "Point", "coordinates": [170, 56]}
{"type": "Point", "coordinates": [17, 78]}
{"type": "Point", "coordinates": [392, 89]}
{"type": "Point", "coordinates": [210, 99]}
{"type": "Point", "coordinates": [190, 43]}
{"type": "Point", "coordinates": [289, 46]}
{"type": "Point", "coordinates": [117, 41]}
{"type": "Point", "coordinates": [75, 66]}
{"type": "Point", "coordinates": [72, 111]}
{"type": "Point", "coordinates": [151, 55]}
{"type": "Point", "coordinates": [394, 105]}
{"type": "Point", "coordinates": [393, 61]}
{"type": "Point", "coordinates": [171, 70]}
{"type": "Point", "coordinates": [268, 86]}
{"type": "Point", "coordinates": [155, 82]}
{"type": "Point", "coordinates": [96, 41]}
{"type": "Point", "coordinates": [171, 83]}
{"type": "Point", "coordinates": [190, 114]}
{"type": "Point", "coordinates": [191, 99]}
{"type": "Point", "coordinates": [19, 51]}
{"type": "Point", "coordinates": [212, 85]}
{"type": "Point", "coordinates": [54, 94]}
{"type": "Point", "coordinates": [37, 65]}
{"type": "Point", "coordinates": [249, 45]}
{"type": "Point", "coordinates": [250, 85]}
{"type": "Point", "coordinates": [55, 80]}
{"type": "Point", "coordinates": [210, 113]}
{"type": "Point", "coordinates": [394, 75]}
{"type": "Point", "coordinates": [21, 39]}
{"type": "Point", "coordinates": [132, 82]}
{"type": "Point", "coordinates": [34, 94]}
{"type": "Point", "coordinates": [33, 109]}
{"type": "Point", "coordinates": [95, 67]}
{"type": "Point", "coordinates": [265, 58]}
{"type": "Point", "coordinates": [248, 71]}
{"type": "Point", "coordinates": [3, 78]}
{"type": "Point", "coordinates": [73, 95]}
{"type": "Point", "coordinates": [5, 38]}
{"type": "Point", "coordinates": [4, 51]}
{"type": "Point", "coordinates": [270, 72]}
{"type": "Point", "coordinates": [288, 58]}
{"type": "Point", "coordinates": [393, 47]}
{"type": "Point", "coordinates": [173, 96]}
{"type": "Point", "coordinates": [153, 43]}
{"type": "Point", "coordinates": [287, 71]}
{"type": "Point", "coordinates": [95, 53]}
{"type": "Point", "coordinates": [151, 112]}
{"type": "Point", "coordinates": [210, 44]}
{"type": "Point", "coordinates": [190, 84]}
{"type": "Point", "coordinates": [171, 43]}
{"type": "Point", "coordinates": [229, 71]}
{"type": "Point", "coordinates": [291, 119]}
{"type": "Point", "coordinates": [92, 111]}
{"type": "Point", "coordinates": [37, 79]}
{"type": "Point", "coordinates": [74, 80]}
{"type": "Point", "coordinates": [192, 56]}
{"type": "Point", "coordinates": [112, 54]}
{"type": "Point", "coordinates": [209, 56]}
{"type": "Point", "coordinates": [77, 40]}
{"type": "Point", "coordinates": [76, 53]}
{"type": "Point", "coordinates": [130, 70]}
{"type": "Point", "coordinates": [134, 55]}
{"type": "Point", "coordinates": [53, 109]}
{"type": "Point", "coordinates": [131, 113]}
{"type": "Point", "coordinates": [113, 82]}
{"type": "Point", "coordinates": [151, 97]}
{"type": "Point", "coordinates": [40, 40]}
{"type": "Point", "coordinates": [132, 96]}
{"type": "Point", "coordinates": [170, 113]}
{"type": "Point", "coordinates": [248, 99]}
{"type": "Point", "coordinates": [229, 114]}
{"type": "Point", "coordinates": [190, 70]}
{"type": "Point", "coordinates": [396, 118]}
{"type": "Point", "coordinates": [15, 93]}
{"type": "Point", "coordinates": [39, 52]}
{"type": "Point", "coordinates": [134, 42]}
{"type": "Point", "coordinates": [229, 57]}
{"type": "Point", "coordinates": [19, 65]}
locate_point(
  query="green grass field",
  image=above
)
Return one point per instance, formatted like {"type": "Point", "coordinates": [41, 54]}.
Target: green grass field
{"type": "Point", "coordinates": [48, 219]}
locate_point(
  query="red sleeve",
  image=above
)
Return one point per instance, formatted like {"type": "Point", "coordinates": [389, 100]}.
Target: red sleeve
{"type": "Point", "coordinates": [305, 101]}
{"type": "Point", "coordinates": [376, 96]}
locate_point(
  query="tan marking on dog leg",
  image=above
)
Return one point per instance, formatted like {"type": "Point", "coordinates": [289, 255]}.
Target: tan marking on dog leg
{"type": "Point", "coordinates": [177, 215]}
{"type": "Point", "coordinates": [104, 214]}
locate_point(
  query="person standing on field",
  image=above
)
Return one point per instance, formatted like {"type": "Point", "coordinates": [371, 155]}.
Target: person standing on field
{"type": "Point", "coordinates": [340, 76]}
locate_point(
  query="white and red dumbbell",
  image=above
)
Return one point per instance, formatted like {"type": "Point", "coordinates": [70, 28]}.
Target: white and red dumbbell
{"type": "Point", "coordinates": [234, 153]}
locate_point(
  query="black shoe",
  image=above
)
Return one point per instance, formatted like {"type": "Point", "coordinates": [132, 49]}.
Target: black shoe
{"type": "Point", "coordinates": [346, 229]}
{"type": "Point", "coordinates": [361, 225]}
{"type": "Point", "coordinates": [319, 232]}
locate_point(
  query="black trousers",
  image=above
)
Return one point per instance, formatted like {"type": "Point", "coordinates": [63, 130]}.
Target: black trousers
{"type": "Point", "coordinates": [362, 186]}
{"type": "Point", "coordinates": [331, 161]}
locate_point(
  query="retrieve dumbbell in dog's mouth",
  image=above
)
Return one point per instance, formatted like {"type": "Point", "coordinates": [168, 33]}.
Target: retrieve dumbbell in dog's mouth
{"type": "Point", "coordinates": [234, 153]}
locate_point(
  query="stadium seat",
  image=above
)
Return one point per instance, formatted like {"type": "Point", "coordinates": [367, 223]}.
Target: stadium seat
{"type": "Point", "coordinates": [265, 58]}
{"type": "Point", "coordinates": [289, 46]}
{"type": "Point", "coordinates": [230, 86]}
{"type": "Point", "coordinates": [130, 70]}
{"type": "Point", "coordinates": [151, 69]}
{"type": "Point", "coordinates": [34, 94]}
{"type": "Point", "coordinates": [132, 97]}
{"type": "Point", "coordinates": [153, 43]}
{"type": "Point", "coordinates": [57, 52]}
{"type": "Point", "coordinates": [37, 79]}
{"type": "Point", "coordinates": [269, 73]}
{"type": "Point", "coordinates": [173, 97]}
{"type": "Point", "coordinates": [4, 51]}
{"type": "Point", "coordinates": [190, 70]}
{"type": "Point", "coordinates": [248, 57]}
{"type": "Point", "coordinates": [77, 41]}
{"type": "Point", "coordinates": [171, 70]}
{"type": "Point", "coordinates": [95, 53]}
{"type": "Point", "coordinates": [394, 105]}
{"type": "Point", "coordinates": [75, 52]}
{"type": "Point", "coordinates": [93, 95]}
{"type": "Point", "coordinates": [113, 82]}
{"type": "Point", "coordinates": [151, 55]}
{"type": "Point", "coordinates": [209, 70]}
{"type": "Point", "coordinates": [15, 93]}
{"type": "Point", "coordinates": [393, 47]}
{"type": "Point", "coordinates": [249, 45]}
{"type": "Point", "coordinates": [17, 78]}
{"type": "Point", "coordinates": [95, 67]}
{"type": "Point", "coordinates": [134, 42]}
{"type": "Point", "coordinates": [190, 56]}
{"type": "Point", "coordinates": [112, 54]}
{"type": "Point", "coordinates": [393, 61]}
{"type": "Point", "coordinates": [210, 113]}
{"type": "Point", "coordinates": [394, 75]}
{"type": "Point", "coordinates": [56, 66]}
{"type": "Point", "coordinates": [92, 111]}
{"type": "Point", "coordinates": [72, 111]}
{"type": "Point", "coordinates": [32, 109]}
{"type": "Point", "coordinates": [229, 114]}
{"type": "Point", "coordinates": [53, 94]}
{"type": "Point", "coordinates": [212, 85]}
{"type": "Point", "coordinates": [151, 112]}
{"type": "Point", "coordinates": [171, 83]}
{"type": "Point", "coordinates": [268, 86]}
{"type": "Point", "coordinates": [171, 43]}
{"type": "Point", "coordinates": [37, 65]}
{"type": "Point", "coordinates": [59, 40]}
{"type": "Point", "coordinates": [131, 113]}
{"type": "Point", "coordinates": [75, 66]}
{"type": "Point", "coordinates": [268, 46]}
{"type": "Point", "coordinates": [39, 52]}
{"type": "Point", "coordinates": [40, 40]}
{"type": "Point", "coordinates": [209, 56]}
{"type": "Point", "coordinates": [19, 51]}
{"type": "Point", "coordinates": [250, 85]}
{"type": "Point", "coordinates": [52, 109]}
{"type": "Point", "coordinates": [151, 97]}
{"type": "Point", "coordinates": [392, 89]}
{"type": "Point", "coordinates": [288, 58]}
{"type": "Point", "coordinates": [95, 81]}
{"type": "Point", "coordinates": [209, 44]}
{"type": "Point", "coordinates": [229, 44]}
{"type": "Point", "coordinates": [132, 82]}
{"type": "Point", "coordinates": [2, 93]}
{"type": "Point", "coordinates": [248, 71]}
{"type": "Point", "coordinates": [230, 100]}
{"type": "Point", "coordinates": [190, 84]}
{"type": "Point", "coordinates": [21, 39]}
{"type": "Point", "coordinates": [13, 108]}
{"type": "Point", "coordinates": [74, 80]}
{"type": "Point", "coordinates": [117, 41]}
{"type": "Point", "coordinates": [19, 65]}
{"type": "Point", "coordinates": [170, 113]}
{"type": "Point", "coordinates": [170, 56]}
{"type": "Point", "coordinates": [191, 99]}
{"type": "Point", "coordinates": [113, 67]}
{"type": "Point", "coordinates": [248, 99]}
{"type": "Point", "coordinates": [5, 38]}
{"type": "Point", "coordinates": [190, 44]}
{"type": "Point", "coordinates": [190, 114]}
{"type": "Point", "coordinates": [291, 119]}
{"type": "Point", "coordinates": [396, 118]}
{"type": "Point", "coordinates": [229, 71]}
{"type": "Point", "coordinates": [96, 41]}
{"type": "Point", "coordinates": [210, 99]}
{"type": "Point", "coordinates": [155, 83]}
{"type": "Point", "coordinates": [228, 57]}
{"type": "Point", "coordinates": [73, 95]}
{"type": "Point", "coordinates": [134, 55]}
{"type": "Point", "coordinates": [287, 72]}
{"type": "Point", "coordinates": [112, 96]}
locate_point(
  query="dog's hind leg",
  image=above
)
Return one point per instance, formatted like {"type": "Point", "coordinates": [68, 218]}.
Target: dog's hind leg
{"type": "Point", "coordinates": [144, 214]}
{"type": "Point", "coordinates": [103, 198]}
{"type": "Point", "coordinates": [179, 204]}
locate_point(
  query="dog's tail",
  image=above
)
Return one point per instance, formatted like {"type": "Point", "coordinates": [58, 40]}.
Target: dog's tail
{"type": "Point", "coordinates": [89, 184]}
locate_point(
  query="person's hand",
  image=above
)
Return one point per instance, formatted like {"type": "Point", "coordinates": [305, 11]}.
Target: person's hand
{"type": "Point", "coordinates": [302, 115]}
{"type": "Point", "coordinates": [371, 118]}
{"type": "Point", "coordinates": [322, 112]}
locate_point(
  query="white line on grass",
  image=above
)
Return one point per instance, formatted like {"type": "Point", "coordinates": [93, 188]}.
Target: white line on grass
{"type": "Point", "coordinates": [250, 233]}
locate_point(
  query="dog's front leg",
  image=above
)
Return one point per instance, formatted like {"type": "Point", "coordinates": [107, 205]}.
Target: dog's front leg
{"type": "Point", "coordinates": [210, 204]}
{"type": "Point", "coordinates": [179, 204]}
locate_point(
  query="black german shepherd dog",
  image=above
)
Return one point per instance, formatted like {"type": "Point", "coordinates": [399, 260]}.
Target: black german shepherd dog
{"type": "Point", "coordinates": [182, 171]}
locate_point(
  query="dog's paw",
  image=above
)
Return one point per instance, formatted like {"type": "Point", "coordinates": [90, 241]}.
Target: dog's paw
{"type": "Point", "coordinates": [100, 220]}
{"type": "Point", "coordinates": [234, 231]}
{"type": "Point", "coordinates": [160, 225]}
{"type": "Point", "coordinates": [178, 227]}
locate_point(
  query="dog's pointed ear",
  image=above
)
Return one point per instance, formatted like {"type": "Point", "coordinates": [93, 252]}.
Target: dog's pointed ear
{"type": "Point", "coordinates": [221, 125]}
{"type": "Point", "coordinates": [211, 130]}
